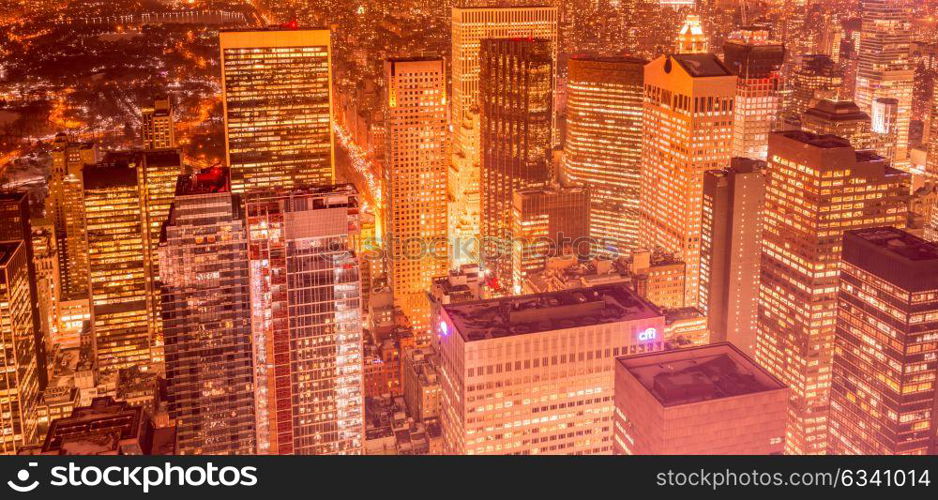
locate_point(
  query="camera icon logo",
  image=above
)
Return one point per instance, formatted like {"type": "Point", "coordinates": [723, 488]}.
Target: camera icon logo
{"type": "Point", "coordinates": [22, 477]}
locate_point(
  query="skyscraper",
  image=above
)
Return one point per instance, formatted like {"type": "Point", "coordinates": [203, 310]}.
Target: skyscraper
{"type": "Point", "coordinates": [840, 118]}
{"type": "Point", "coordinates": [15, 225]}
{"type": "Point", "coordinates": [688, 130]}
{"type": "Point", "coordinates": [158, 128]}
{"type": "Point", "coordinates": [117, 245]}
{"type": "Point", "coordinates": [884, 69]}
{"type": "Point", "coordinates": [883, 393]}
{"type": "Point", "coordinates": [206, 313]}
{"type": "Point", "coordinates": [68, 212]}
{"type": "Point", "coordinates": [158, 170]}
{"type": "Point", "coordinates": [817, 78]}
{"type": "Point", "coordinates": [19, 366]}
{"type": "Point", "coordinates": [756, 60]}
{"type": "Point", "coordinates": [691, 39]}
{"type": "Point", "coordinates": [306, 320]}
{"type": "Point", "coordinates": [838, 189]}
{"type": "Point", "coordinates": [415, 170]}
{"type": "Point", "coordinates": [516, 111]}
{"type": "Point", "coordinates": [533, 374]}
{"type": "Point", "coordinates": [277, 97]}
{"type": "Point", "coordinates": [603, 146]}
{"type": "Point", "coordinates": [705, 400]}
{"type": "Point", "coordinates": [469, 27]}
{"type": "Point", "coordinates": [547, 222]}
{"type": "Point", "coordinates": [730, 251]}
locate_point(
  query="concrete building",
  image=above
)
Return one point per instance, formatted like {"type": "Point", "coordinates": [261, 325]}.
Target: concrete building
{"type": "Point", "coordinates": [532, 374]}
{"type": "Point", "coordinates": [706, 400]}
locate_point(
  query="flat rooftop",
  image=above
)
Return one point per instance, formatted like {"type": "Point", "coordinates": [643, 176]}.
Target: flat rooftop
{"type": "Point", "coordinates": [508, 316]}
{"type": "Point", "coordinates": [702, 65]}
{"type": "Point", "coordinates": [894, 255]}
{"type": "Point", "coordinates": [698, 374]}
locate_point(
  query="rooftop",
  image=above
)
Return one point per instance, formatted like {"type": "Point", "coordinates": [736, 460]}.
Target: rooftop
{"type": "Point", "coordinates": [7, 248]}
{"type": "Point", "coordinates": [508, 316]}
{"type": "Point", "coordinates": [698, 374]}
{"type": "Point", "coordinates": [702, 65]}
{"type": "Point", "coordinates": [895, 256]}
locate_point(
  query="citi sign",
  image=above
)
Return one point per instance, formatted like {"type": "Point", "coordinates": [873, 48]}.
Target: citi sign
{"type": "Point", "coordinates": [650, 333]}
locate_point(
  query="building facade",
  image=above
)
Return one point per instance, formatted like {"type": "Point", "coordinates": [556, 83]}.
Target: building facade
{"type": "Point", "coordinates": [705, 400]}
{"type": "Point", "coordinates": [688, 130]}
{"type": "Point", "coordinates": [516, 101]}
{"type": "Point", "coordinates": [603, 145]}
{"type": "Point", "coordinates": [469, 27]}
{"type": "Point", "coordinates": [730, 250]}
{"type": "Point", "coordinates": [533, 374]}
{"type": "Point", "coordinates": [883, 394]}
{"type": "Point", "coordinates": [839, 189]}
{"type": "Point", "coordinates": [306, 320]}
{"type": "Point", "coordinates": [415, 173]}
{"type": "Point", "coordinates": [206, 313]}
{"type": "Point", "coordinates": [277, 100]}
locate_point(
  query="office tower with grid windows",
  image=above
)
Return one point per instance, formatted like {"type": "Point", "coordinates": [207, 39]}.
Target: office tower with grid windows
{"type": "Point", "coordinates": [306, 320]}
{"type": "Point", "coordinates": [756, 60]}
{"type": "Point", "coordinates": [15, 224]}
{"type": "Point", "coordinates": [818, 187]}
{"type": "Point", "coordinates": [883, 393]}
{"type": "Point", "coordinates": [158, 130]}
{"type": "Point", "coordinates": [115, 222]}
{"type": "Point", "coordinates": [469, 27]}
{"type": "Point", "coordinates": [547, 222]}
{"type": "Point", "coordinates": [688, 130]}
{"type": "Point", "coordinates": [730, 251]}
{"type": "Point", "coordinates": [533, 374]}
{"type": "Point", "coordinates": [277, 100]}
{"type": "Point", "coordinates": [19, 367]}
{"type": "Point", "coordinates": [516, 100]}
{"type": "Point", "coordinates": [885, 71]}
{"type": "Point", "coordinates": [415, 172]}
{"type": "Point", "coordinates": [603, 146]}
{"type": "Point", "coordinates": [67, 210]}
{"type": "Point", "coordinates": [206, 312]}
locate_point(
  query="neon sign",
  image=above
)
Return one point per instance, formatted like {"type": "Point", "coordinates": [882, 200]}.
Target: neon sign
{"type": "Point", "coordinates": [650, 333]}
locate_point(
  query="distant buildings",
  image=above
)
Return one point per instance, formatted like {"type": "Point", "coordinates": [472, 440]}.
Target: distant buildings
{"type": "Point", "coordinates": [756, 61]}
{"type": "Point", "coordinates": [68, 213]}
{"type": "Point", "coordinates": [206, 318]}
{"type": "Point", "coordinates": [840, 189]}
{"type": "Point", "coordinates": [706, 400]}
{"type": "Point", "coordinates": [306, 320]}
{"type": "Point", "coordinates": [415, 175]}
{"type": "Point", "coordinates": [688, 130]}
{"type": "Point", "coordinates": [277, 96]}
{"type": "Point", "coordinates": [691, 39]}
{"type": "Point", "coordinates": [19, 365]}
{"type": "Point", "coordinates": [883, 392]}
{"type": "Point", "coordinates": [604, 145]}
{"type": "Point", "coordinates": [469, 27]}
{"type": "Point", "coordinates": [817, 78]}
{"type": "Point", "coordinates": [158, 125]}
{"type": "Point", "coordinates": [532, 375]}
{"type": "Point", "coordinates": [840, 118]}
{"type": "Point", "coordinates": [730, 242]}
{"type": "Point", "coordinates": [516, 101]}
{"type": "Point", "coordinates": [884, 71]}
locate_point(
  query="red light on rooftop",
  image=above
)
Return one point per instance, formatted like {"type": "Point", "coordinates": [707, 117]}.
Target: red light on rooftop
{"type": "Point", "coordinates": [292, 25]}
